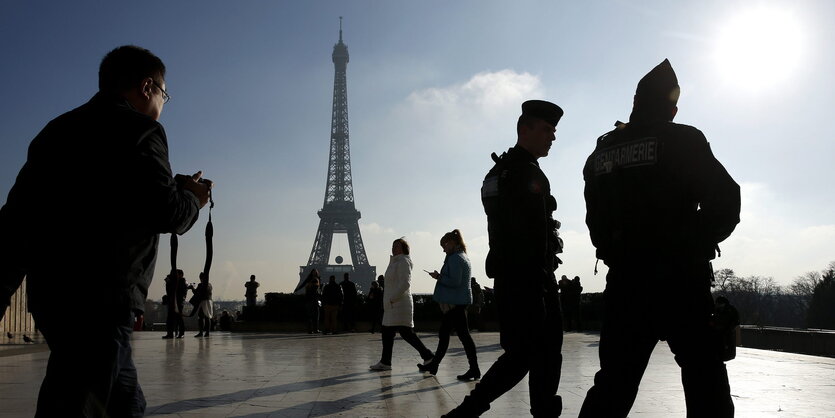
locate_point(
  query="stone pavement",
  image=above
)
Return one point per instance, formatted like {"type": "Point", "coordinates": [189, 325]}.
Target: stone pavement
{"type": "Point", "coordinates": [300, 375]}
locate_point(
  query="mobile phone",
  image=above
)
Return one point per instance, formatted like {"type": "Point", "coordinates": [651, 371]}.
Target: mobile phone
{"type": "Point", "coordinates": [427, 271]}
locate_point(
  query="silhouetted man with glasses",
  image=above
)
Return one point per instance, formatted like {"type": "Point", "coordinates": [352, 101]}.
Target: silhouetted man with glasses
{"type": "Point", "coordinates": [82, 222]}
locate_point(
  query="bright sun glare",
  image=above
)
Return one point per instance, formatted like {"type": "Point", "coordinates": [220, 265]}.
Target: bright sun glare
{"type": "Point", "coordinates": [759, 48]}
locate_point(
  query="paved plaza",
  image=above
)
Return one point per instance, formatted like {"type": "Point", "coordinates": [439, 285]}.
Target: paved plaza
{"type": "Point", "coordinates": [300, 375]}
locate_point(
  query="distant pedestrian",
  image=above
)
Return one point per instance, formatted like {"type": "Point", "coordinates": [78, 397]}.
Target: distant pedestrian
{"type": "Point", "coordinates": [565, 289]}
{"type": "Point", "coordinates": [375, 305]}
{"type": "Point", "coordinates": [225, 321]}
{"type": "Point", "coordinates": [174, 300]}
{"type": "Point", "coordinates": [453, 294]}
{"type": "Point", "coordinates": [349, 305]}
{"type": "Point", "coordinates": [576, 321]}
{"type": "Point", "coordinates": [202, 301]}
{"type": "Point", "coordinates": [570, 292]}
{"type": "Point", "coordinates": [313, 301]}
{"type": "Point", "coordinates": [181, 293]}
{"type": "Point", "coordinates": [726, 325]}
{"type": "Point", "coordinates": [474, 311]}
{"type": "Point", "coordinates": [398, 306]}
{"type": "Point", "coordinates": [251, 291]}
{"type": "Point", "coordinates": [332, 298]}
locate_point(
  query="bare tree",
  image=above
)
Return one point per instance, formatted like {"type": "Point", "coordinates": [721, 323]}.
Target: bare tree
{"type": "Point", "coordinates": [808, 301]}
{"type": "Point", "coordinates": [821, 312]}
{"type": "Point", "coordinates": [804, 285]}
{"type": "Point", "coordinates": [755, 297]}
{"type": "Point", "coordinates": [722, 278]}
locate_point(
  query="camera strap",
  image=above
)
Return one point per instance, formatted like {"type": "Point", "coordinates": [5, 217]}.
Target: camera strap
{"type": "Point", "coordinates": [210, 231]}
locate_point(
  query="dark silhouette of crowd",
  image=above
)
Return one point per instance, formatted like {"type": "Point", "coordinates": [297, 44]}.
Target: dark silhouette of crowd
{"type": "Point", "coordinates": [570, 291]}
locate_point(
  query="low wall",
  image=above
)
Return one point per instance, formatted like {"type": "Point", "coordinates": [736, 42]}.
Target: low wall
{"type": "Point", "coordinates": [362, 326]}
{"type": "Point", "coordinates": [813, 342]}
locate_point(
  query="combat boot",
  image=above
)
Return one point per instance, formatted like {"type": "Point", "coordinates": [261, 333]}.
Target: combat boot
{"type": "Point", "coordinates": [467, 409]}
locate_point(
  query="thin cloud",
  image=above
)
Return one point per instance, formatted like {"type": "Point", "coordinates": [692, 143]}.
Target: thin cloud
{"type": "Point", "coordinates": [462, 113]}
{"type": "Point", "coordinates": [768, 243]}
{"type": "Point", "coordinates": [485, 91]}
{"type": "Point", "coordinates": [376, 229]}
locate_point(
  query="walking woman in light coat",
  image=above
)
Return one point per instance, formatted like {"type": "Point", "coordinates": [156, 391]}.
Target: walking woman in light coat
{"type": "Point", "coordinates": [398, 307]}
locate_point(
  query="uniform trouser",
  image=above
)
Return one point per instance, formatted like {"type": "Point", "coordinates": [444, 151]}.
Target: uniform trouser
{"type": "Point", "coordinates": [250, 300]}
{"type": "Point", "coordinates": [456, 318]}
{"type": "Point", "coordinates": [407, 334]}
{"type": "Point", "coordinates": [643, 306]}
{"type": "Point", "coordinates": [530, 332]}
{"type": "Point", "coordinates": [90, 373]}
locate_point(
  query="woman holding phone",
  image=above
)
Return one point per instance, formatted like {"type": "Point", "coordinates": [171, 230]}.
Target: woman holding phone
{"type": "Point", "coordinates": [453, 294]}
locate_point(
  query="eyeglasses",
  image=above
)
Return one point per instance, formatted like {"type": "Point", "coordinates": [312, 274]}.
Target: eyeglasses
{"type": "Point", "coordinates": [165, 96]}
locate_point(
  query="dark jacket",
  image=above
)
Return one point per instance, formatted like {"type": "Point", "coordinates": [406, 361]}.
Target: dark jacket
{"type": "Point", "coordinates": [251, 289]}
{"type": "Point", "coordinates": [524, 240]}
{"type": "Point", "coordinates": [311, 293]}
{"type": "Point", "coordinates": [202, 292]}
{"type": "Point", "coordinates": [178, 289]}
{"type": "Point", "coordinates": [349, 290]}
{"type": "Point", "coordinates": [87, 208]}
{"type": "Point", "coordinates": [332, 294]}
{"type": "Point", "coordinates": [654, 190]}
{"type": "Point", "coordinates": [375, 297]}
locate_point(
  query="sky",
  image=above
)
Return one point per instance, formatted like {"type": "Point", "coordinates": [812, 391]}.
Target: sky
{"type": "Point", "coordinates": [434, 87]}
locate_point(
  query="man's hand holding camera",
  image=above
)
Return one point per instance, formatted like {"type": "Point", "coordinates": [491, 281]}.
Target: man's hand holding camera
{"type": "Point", "coordinates": [196, 184]}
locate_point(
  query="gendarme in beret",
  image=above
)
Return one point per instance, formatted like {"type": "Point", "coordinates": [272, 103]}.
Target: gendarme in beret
{"type": "Point", "coordinates": [659, 87]}
{"type": "Point", "coordinates": [540, 109]}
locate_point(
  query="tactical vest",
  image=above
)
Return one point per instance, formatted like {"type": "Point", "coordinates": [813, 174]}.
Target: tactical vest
{"type": "Point", "coordinates": [517, 199]}
{"type": "Point", "coordinates": [645, 190]}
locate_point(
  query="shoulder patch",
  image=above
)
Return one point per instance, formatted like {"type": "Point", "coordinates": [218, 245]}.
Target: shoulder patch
{"type": "Point", "coordinates": [535, 187]}
{"type": "Point", "coordinates": [490, 187]}
{"type": "Point", "coordinates": [639, 152]}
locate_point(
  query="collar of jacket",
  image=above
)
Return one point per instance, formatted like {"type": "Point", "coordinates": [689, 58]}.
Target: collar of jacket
{"type": "Point", "coordinates": [109, 99]}
{"type": "Point", "coordinates": [641, 117]}
{"type": "Point", "coordinates": [517, 152]}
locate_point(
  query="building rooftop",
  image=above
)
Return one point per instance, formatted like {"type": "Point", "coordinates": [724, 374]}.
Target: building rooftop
{"type": "Point", "coordinates": [301, 375]}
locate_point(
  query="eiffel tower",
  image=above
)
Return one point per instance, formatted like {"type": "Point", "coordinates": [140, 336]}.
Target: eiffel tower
{"type": "Point", "coordinates": [338, 214]}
